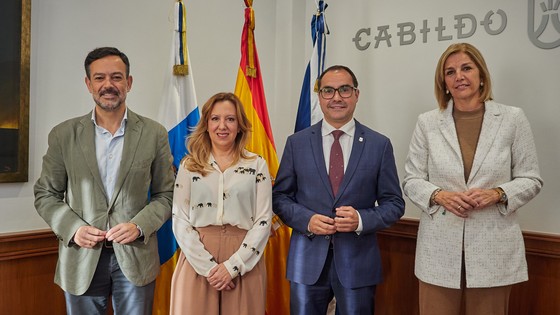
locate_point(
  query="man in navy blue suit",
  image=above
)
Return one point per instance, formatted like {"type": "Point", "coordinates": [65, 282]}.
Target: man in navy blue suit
{"type": "Point", "coordinates": [333, 248]}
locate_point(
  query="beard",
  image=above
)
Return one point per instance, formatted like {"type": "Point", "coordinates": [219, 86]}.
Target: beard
{"type": "Point", "coordinates": [113, 106]}
{"type": "Point", "coordinates": [109, 105]}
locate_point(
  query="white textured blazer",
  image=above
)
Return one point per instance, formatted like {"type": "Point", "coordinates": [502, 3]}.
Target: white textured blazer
{"type": "Point", "coordinates": [491, 238]}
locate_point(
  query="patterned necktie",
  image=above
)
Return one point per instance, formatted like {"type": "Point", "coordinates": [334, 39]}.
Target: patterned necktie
{"type": "Point", "coordinates": [336, 164]}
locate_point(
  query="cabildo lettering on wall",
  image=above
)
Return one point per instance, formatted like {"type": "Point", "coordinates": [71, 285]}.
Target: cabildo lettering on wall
{"type": "Point", "coordinates": [546, 13]}
{"type": "Point", "coordinates": [465, 24]}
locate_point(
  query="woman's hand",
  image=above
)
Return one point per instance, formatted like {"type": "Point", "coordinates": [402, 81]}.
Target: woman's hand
{"type": "Point", "coordinates": [484, 197]}
{"type": "Point", "coordinates": [458, 203]}
{"type": "Point", "coordinates": [220, 279]}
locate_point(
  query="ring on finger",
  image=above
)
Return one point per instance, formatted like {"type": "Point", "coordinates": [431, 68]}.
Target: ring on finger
{"type": "Point", "coordinates": [459, 208]}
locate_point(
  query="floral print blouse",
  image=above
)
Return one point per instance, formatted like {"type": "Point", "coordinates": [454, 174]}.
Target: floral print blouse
{"type": "Point", "coordinates": [240, 196]}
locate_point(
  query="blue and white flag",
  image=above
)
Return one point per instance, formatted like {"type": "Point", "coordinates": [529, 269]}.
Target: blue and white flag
{"type": "Point", "coordinates": [179, 114]}
{"type": "Point", "coordinates": [178, 111]}
{"type": "Point", "coordinates": [309, 111]}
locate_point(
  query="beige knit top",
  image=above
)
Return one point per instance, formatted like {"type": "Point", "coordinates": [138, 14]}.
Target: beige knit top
{"type": "Point", "coordinates": [468, 125]}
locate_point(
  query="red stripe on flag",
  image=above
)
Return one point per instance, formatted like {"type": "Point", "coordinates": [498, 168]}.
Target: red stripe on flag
{"type": "Point", "coordinates": [255, 84]}
{"type": "Point", "coordinates": [249, 88]}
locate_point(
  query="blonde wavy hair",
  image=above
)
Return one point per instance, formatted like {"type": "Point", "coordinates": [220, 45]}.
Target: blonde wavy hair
{"type": "Point", "coordinates": [199, 144]}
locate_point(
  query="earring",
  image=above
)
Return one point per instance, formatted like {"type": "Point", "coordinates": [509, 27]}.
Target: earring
{"type": "Point", "coordinates": [446, 91]}
{"type": "Point", "coordinates": [481, 83]}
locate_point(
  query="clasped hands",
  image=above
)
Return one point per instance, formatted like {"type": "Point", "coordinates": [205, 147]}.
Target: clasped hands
{"type": "Point", "coordinates": [346, 220]}
{"type": "Point", "coordinates": [220, 279]}
{"type": "Point", "coordinates": [123, 233]}
{"type": "Point", "coordinates": [460, 203]}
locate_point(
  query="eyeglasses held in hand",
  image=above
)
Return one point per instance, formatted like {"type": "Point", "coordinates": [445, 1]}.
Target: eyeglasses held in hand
{"type": "Point", "coordinates": [344, 91]}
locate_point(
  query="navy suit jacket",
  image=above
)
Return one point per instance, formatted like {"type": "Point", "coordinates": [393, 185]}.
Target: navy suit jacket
{"type": "Point", "coordinates": [302, 189]}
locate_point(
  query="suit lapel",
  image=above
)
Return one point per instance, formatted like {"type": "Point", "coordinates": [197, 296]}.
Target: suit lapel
{"type": "Point", "coordinates": [449, 133]}
{"type": "Point", "coordinates": [490, 125]}
{"type": "Point", "coordinates": [316, 142]}
{"type": "Point", "coordinates": [133, 131]}
{"type": "Point", "coordinates": [86, 142]}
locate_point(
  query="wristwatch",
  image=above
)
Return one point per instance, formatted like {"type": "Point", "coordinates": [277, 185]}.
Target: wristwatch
{"type": "Point", "coordinates": [503, 196]}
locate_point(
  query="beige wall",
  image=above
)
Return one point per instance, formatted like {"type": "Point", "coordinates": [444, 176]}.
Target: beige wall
{"type": "Point", "coordinates": [396, 82]}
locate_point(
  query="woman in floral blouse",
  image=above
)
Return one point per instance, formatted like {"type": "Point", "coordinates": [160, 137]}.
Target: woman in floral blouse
{"type": "Point", "coordinates": [222, 210]}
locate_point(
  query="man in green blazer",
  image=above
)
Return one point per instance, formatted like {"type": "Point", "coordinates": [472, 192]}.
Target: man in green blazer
{"type": "Point", "coordinates": [105, 189]}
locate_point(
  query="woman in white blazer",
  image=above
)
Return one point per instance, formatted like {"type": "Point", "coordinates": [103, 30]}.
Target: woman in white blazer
{"type": "Point", "coordinates": [471, 164]}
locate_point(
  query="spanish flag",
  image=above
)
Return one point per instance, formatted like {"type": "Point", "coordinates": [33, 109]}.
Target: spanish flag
{"type": "Point", "coordinates": [179, 114]}
{"type": "Point", "coordinates": [249, 89]}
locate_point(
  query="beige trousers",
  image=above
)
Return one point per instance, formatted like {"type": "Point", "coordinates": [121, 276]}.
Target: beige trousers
{"type": "Point", "coordinates": [436, 300]}
{"type": "Point", "coordinates": [192, 294]}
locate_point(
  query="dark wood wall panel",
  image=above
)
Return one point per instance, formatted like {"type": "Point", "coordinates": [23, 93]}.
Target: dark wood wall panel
{"type": "Point", "coordinates": [541, 294]}
{"type": "Point", "coordinates": [398, 294]}
{"type": "Point", "coordinates": [27, 264]}
{"type": "Point", "coordinates": [28, 261]}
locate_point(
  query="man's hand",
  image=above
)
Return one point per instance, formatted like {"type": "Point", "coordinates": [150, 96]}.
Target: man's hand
{"type": "Point", "coordinates": [123, 233]}
{"type": "Point", "coordinates": [321, 225]}
{"type": "Point", "coordinates": [88, 236]}
{"type": "Point", "coordinates": [346, 219]}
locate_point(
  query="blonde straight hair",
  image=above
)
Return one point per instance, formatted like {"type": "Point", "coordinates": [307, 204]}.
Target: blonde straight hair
{"type": "Point", "coordinates": [440, 89]}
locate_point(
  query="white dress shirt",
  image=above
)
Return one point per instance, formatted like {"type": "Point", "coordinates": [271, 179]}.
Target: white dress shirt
{"type": "Point", "coordinates": [346, 140]}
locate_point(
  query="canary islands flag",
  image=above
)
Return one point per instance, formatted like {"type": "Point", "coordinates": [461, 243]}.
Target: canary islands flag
{"type": "Point", "coordinates": [309, 111]}
{"type": "Point", "coordinates": [179, 114]}
{"type": "Point", "coordinates": [249, 89]}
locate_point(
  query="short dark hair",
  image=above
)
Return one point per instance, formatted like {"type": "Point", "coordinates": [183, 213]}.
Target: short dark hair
{"type": "Point", "coordinates": [102, 52]}
{"type": "Point", "coordinates": [336, 68]}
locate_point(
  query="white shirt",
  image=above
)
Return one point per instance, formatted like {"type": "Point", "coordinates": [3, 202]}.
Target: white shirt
{"type": "Point", "coordinates": [241, 196]}
{"type": "Point", "coordinates": [346, 140]}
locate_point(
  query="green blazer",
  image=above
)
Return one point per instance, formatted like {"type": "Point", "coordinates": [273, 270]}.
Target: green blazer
{"type": "Point", "coordinates": [69, 193]}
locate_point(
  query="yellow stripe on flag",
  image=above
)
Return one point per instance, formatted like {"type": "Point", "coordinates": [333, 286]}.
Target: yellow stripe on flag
{"type": "Point", "coordinates": [163, 285]}
{"type": "Point", "coordinates": [258, 142]}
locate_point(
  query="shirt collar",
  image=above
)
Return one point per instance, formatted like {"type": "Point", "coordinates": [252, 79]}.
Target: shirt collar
{"type": "Point", "coordinates": [123, 121]}
{"type": "Point", "coordinates": [348, 128]}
